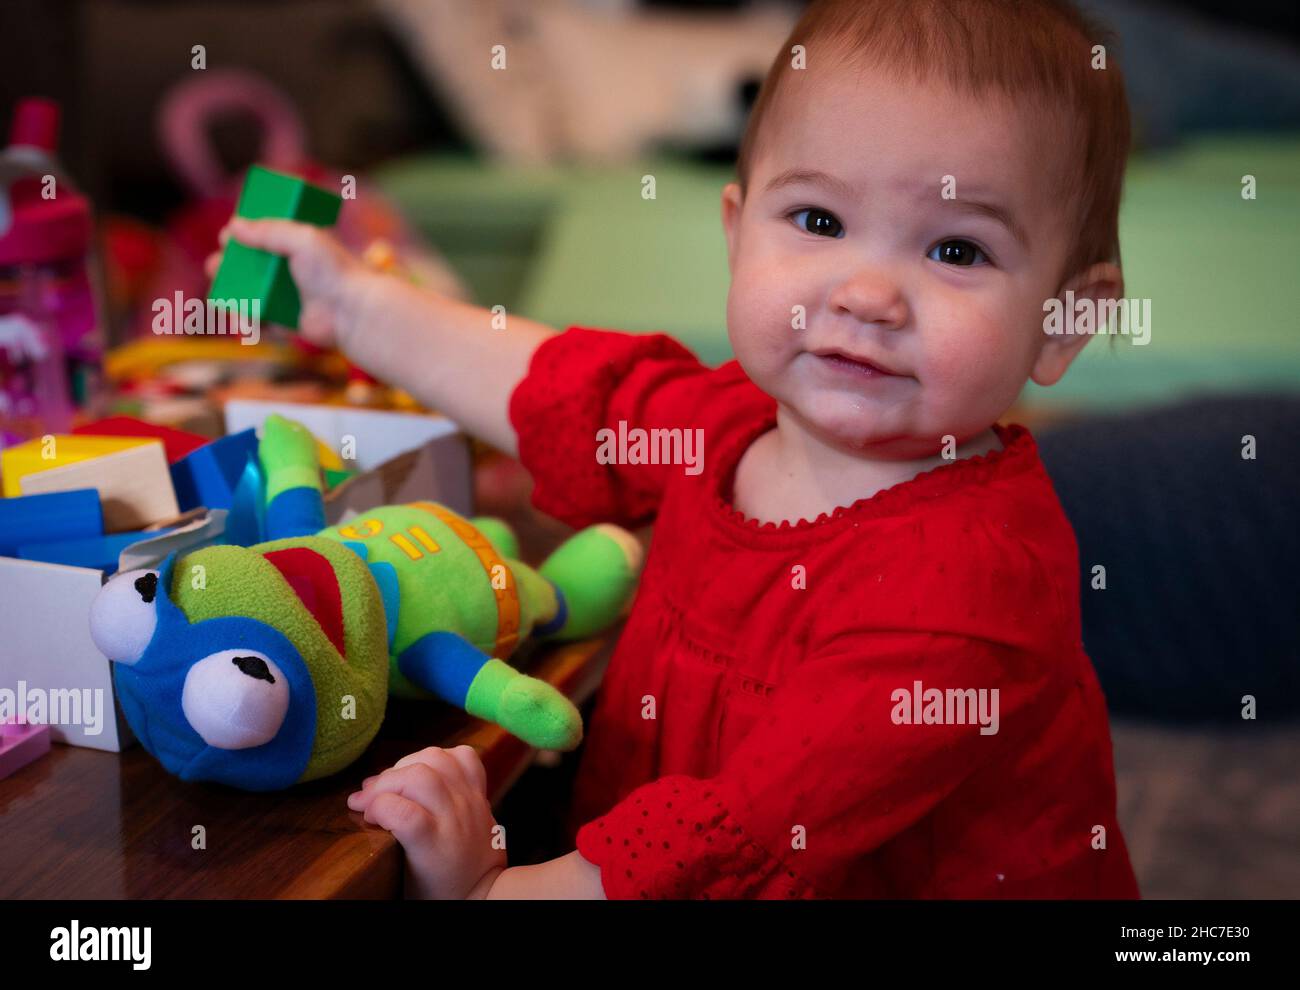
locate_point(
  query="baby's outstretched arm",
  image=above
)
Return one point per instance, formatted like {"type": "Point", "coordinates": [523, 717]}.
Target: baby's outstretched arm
{"type": "Point", "coordinates": [435, 804]}
{"type": "Point", "coordinates": [568, 878]}
{"type": "Point", "coordinates": [444, 352]}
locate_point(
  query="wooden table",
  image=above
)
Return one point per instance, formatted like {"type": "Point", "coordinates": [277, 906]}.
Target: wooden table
{"type": "Point", "coordinates": [81, 824]}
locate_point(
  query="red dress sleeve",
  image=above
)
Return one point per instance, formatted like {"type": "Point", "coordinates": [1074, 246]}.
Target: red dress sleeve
{"type": "Point", "coordinates": [824, 780]}
{"type": "Point", "coordinates": [583, 381]}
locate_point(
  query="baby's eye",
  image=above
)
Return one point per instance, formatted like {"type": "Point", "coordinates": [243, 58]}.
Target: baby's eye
{"type": "Point", "coordinates": [819, 222]}
{"type": "Point", "coordinates": [957, 252]}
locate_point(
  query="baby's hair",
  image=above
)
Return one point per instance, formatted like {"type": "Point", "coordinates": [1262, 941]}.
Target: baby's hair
{"type": "Point", "coordinates": [1028, 49]}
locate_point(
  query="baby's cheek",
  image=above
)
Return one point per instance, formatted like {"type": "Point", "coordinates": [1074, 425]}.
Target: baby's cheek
{"type": "Point", "coordinates": [760, 314]}
{"type": "Point", "coordinates": [965, 365]}
{"type": "Point", "coordinates": [975, 371]}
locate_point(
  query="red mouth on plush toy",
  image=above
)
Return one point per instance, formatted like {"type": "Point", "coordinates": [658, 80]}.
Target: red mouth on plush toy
{"type": "Point", "coordinates": [313, 580]}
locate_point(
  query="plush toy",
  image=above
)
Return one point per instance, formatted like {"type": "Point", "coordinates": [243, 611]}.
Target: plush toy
{"type": "Point", "coordinates": [264, 666]}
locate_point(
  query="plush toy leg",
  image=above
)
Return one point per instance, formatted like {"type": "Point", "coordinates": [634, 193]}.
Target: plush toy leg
{"type": "Point", "coordinates": [595, 571]}
{"type": "Point", "coordinates": [294, 506]}
{"type": "Point", "coordinates": [295, 512]}
{"type": "Point", "coordinates": [463, 675]}
{"type": "Point", "coordinates": [499, 534]}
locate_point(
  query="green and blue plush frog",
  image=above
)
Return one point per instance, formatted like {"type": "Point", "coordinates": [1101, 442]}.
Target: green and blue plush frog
{"type": "Point", "coordinates": [265, 666]}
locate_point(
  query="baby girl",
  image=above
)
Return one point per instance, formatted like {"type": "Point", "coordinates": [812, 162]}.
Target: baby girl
{"type": "Point", "coordinates": [854, 666]}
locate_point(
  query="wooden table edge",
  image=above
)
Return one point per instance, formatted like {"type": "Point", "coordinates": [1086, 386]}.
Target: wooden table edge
{"type": "Point", "coordinates": [367, 864]}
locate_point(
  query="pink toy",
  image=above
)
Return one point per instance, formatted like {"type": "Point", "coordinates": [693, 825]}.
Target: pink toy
{"type": "Point", "coordinates": [21, 743]}
{"type": "Point", "coordinates": [47, 297]}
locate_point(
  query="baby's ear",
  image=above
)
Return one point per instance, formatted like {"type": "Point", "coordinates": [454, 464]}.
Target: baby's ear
{"type": "Point", "coordinates": [732, 201]}
{"type": "Point", "coordinates": [1060, 346]}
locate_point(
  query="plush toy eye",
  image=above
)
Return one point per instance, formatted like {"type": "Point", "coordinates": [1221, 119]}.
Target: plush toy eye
{"type": "Point", "coordinates": [123, 615]}
{"type": "Point", "coordinates": [235, 699]}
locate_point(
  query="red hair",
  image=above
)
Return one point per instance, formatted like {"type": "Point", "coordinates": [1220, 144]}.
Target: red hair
{"type": "Point", "coordinates": [1026, 49]}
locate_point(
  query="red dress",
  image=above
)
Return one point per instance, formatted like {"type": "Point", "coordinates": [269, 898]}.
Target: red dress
{"type": "Point", "coordinates": [755, 734]}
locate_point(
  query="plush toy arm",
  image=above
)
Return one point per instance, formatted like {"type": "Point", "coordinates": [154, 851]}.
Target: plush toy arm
{"type": "Point", "coordinates": [293, 486]}
{"type": "Point", "coordinates": [465, 676]}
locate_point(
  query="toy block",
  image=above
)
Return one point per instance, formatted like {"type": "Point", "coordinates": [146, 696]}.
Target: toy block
{"type": "Point", "coordinates": [68, 515]}
{"type": "Point", "coordinates": [329, 458]}
{"type": "Point", "coordinates": [135, 487]}
{"type": "Point", "coordinates": [21, 743]}
{"type": "Point", "coordinates": [176, 443]}
{"type": "Point", "coordinates": [37, 455]}
{"type": "Point", "coordinates": [248, 273]}
{"type": "Point", "coordinates": [98, 552]}
{"type": "Point", "coordinates": [209, 475]}
{"type": "Point", "coordinates": [335, 478]}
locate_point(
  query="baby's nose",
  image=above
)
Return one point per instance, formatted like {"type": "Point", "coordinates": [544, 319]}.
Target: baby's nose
{"type": "Point", "coordinates": [870, 295]}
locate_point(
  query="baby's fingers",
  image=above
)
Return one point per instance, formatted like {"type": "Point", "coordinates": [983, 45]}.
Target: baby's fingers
{"type": "Point", "coordinates": [410, 824]}
{"type": "Point", "coordinates": [471, 765]}
{"type": "Point", "coordinates": [418, 782]}
{"type": "Point", "coordinates": [460, 761]}
{"type": "Point", "coordinates": [277, 236]}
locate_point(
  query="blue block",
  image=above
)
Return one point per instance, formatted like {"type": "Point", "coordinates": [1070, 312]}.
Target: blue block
{"type": "Point", "coordinates": [209, 475]}
{"type": "Point", "coordinates": [100, 552]}
{"type": "Point", "coordinates": [245, 520]}
{"type": "Point", "coordinates": [45, 518]}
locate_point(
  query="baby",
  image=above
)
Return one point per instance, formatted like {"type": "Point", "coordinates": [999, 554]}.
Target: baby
{"type": "Point", "coordinates": [854, 666]}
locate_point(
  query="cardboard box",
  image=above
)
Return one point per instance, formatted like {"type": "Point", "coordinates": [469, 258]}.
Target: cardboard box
{"type": "Point", "coordinates": [402, 457]}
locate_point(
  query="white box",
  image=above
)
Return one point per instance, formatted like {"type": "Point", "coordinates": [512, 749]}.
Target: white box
{"type": "Point", "coordinates": [45, 645]}
{"type": "Point", "coordinates": [376, 437]}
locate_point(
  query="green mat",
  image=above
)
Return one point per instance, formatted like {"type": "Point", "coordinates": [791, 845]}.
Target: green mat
{"type": "Point", "coordinates": [583, 246]}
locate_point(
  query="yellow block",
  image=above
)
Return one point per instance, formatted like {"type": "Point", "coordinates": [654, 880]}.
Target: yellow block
{"type": "Point", "coordinates": [329, 460]}
{"type": "Point", "coordinates": [56, 450]}
{"type": "Point", "coordinates": [134, 485]}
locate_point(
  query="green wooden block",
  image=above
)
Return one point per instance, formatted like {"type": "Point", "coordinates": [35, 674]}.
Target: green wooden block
{"type": "Point", "coordinates": [335, 478]}
{"type": "Point", "coordinates": [251, 273]}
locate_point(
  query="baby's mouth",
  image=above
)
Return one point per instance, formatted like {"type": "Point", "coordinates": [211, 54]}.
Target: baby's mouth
{"type": "Point", "coordinates": [853, 364]}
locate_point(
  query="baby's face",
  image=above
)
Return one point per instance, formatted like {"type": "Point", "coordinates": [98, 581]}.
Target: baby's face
{"type": "Point", "coordinates": [922, 297]}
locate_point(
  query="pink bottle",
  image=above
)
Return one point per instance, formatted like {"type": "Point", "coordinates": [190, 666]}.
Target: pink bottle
{"type": "Point", "coordinates": [49, 334]}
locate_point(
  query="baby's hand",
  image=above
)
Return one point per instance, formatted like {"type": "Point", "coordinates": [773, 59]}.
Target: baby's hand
{"type": "Point", "coordinates": [435, 804]}
{"type": "Point", "coordinates": [322, 268]}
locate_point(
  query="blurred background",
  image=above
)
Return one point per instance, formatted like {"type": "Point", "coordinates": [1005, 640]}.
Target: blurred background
{"type": "Point", "coordinates": [522, 189]}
